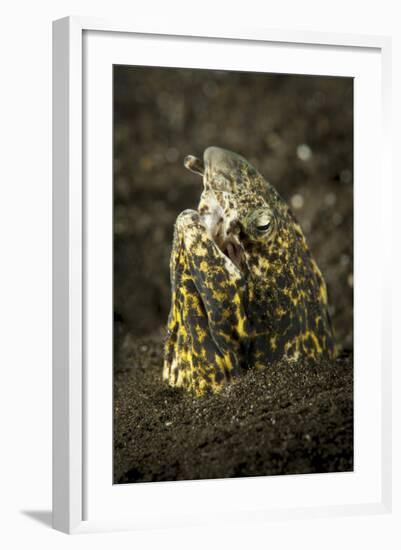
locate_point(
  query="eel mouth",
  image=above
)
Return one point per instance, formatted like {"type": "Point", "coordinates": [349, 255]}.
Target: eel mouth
{"type": "Point", "coordinates": [235, 252]}
{"type": "Point", "coordinates": [224, 232]}
{"type": "Point", "coordinates": [231, 246]}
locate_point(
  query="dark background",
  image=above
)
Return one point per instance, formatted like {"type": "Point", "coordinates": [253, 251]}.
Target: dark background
{"type": "Point", "coordinates": [298, 132]}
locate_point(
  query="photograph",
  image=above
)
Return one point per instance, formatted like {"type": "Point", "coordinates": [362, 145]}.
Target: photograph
{"type": "Point", "coordinates": [233, 288]}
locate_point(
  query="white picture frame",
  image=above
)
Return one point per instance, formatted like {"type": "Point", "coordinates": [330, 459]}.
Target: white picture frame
{"type": "Point", "coordinates": [73, 473]}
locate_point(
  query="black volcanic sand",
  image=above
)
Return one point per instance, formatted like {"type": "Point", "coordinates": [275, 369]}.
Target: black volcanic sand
{"type": "Point", "coordinates": [288, 419]}
{"type": "Point", "coordinates": [298, 132]}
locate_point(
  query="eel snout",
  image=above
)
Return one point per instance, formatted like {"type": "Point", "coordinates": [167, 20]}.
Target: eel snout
{"type": "Point", "coordinates": [218, 216]}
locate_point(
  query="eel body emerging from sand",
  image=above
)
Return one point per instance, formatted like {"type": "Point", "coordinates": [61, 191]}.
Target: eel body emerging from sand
{"type": "Point", "coordinates": [246, 291]}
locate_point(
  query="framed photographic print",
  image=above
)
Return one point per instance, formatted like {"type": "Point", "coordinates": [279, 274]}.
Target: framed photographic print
{"type": "Point", "coordinates": [217, 197]}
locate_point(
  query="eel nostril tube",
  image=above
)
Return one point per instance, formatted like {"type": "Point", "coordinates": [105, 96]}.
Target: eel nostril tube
{"type": "Point", "coordinates": [194, 164]}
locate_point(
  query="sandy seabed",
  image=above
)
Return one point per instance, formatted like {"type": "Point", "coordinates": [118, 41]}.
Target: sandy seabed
{"type": "Point", "coordinates": [287, 419]}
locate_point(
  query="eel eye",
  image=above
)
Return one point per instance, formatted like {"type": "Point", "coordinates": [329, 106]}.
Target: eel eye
{"type": "Point", "coordinates": [260, 223]}
{"type": "Point", "coordinates": [263, 228]}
